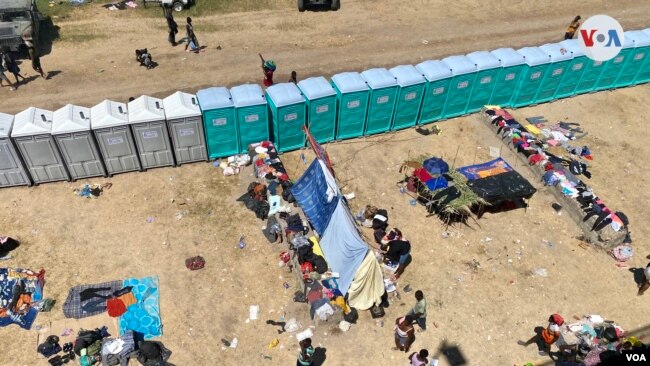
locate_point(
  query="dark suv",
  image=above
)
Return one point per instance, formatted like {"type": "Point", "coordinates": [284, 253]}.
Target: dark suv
{"type": "Point", "coordinates": [19, 21]}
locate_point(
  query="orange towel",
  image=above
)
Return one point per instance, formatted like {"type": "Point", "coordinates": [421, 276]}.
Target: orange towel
{"type": "Point", "coordinates": [128, 299]}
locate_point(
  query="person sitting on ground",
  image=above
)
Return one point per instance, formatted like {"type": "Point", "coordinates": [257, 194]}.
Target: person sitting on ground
{"type": "Point", "coordinates": [393, 234]}
{"type": "Point", "coordinates": [397, 251]}
{"type": "Point", "coordinates": [404, 333]}
{"type": "Point", "coordinates": [573, 27]}
{"type": "Point", "coordinates": [419, 359]}
{"type": "Point", "coordinates": [380, 220]}
{"type": "Point", "coordinates": [306, 355]}
{"type": "Point", "coordinates": [646, 284]}
{"type": "Point", "coordinates": [366, 215]}
{"type": "Point", "coordinates": [547, 336]}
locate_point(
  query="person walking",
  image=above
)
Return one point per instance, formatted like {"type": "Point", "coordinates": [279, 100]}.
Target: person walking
{"type": "Point", "coordinates": [646, 284]}
{"type": "Point", "coordinates": [419, 358]}
{"type": "Point", "coordinates": [192, 42]}
{"type": "Point", "coordinates": [11, 65]}
{"type": "Point", "coordinates": [404, 333]}
{"type": "Point", "coordinates": [545, 337]}
{"type": "Point", "coordinates": [4, 78]}
{"type": "Point", "coordinates": [36, 59]}
{"type": "Point", "coordinates": [306, 355]}
{"type": "Point", "coordinates": [268, 68]}
{"type": "Point", "coordinates": [419, 311]}
{"type": "Point", "coordinates": [171, 26]}
{"type": "Point", "coordinates": [573, 27]}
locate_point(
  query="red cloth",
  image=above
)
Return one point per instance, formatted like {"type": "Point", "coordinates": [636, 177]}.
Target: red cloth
{"type": "Point", "coordinates": [534, 159]}
{"type": "Point", "coordinates": [268, 77]}
{"type": "Point", "coordinates": [422, 174]}
{"type": "Point", "coordinates": [115, 307]}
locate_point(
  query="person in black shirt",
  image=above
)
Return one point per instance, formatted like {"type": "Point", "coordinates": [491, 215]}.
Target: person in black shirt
{"type": "Point", "coordinates": [398, 251]}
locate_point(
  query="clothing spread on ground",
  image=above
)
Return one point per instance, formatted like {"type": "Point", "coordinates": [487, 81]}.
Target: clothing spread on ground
{"type": "Point", "coordinates": [89, 300]}
{"type": "Point", "coordinates": [143, 316]}
{"type": "Point", "coordinates": [20, 291]}
{"type": "Point", "coordinates": [489, 169]}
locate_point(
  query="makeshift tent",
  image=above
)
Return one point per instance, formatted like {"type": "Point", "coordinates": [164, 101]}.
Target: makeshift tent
{"type": "Point", "coordinates": [352, 96]}
{"type": "Point", "coordinates": [488, 68]}
{"type": "Point", "coordinates": [71, 130]}
{"type": "Point", "coordinates": [506, 186]}
{"type": "Point", "coordinates": [381, 104]}
{"type": "Point", "coordinates": [321, 107]}
{"type": "Point", "coordinates": [636, 60]}
{"type": "Point", "coordinates": [252, 114]}
{"type": "Point", "coordinates": [531, 78]}
{"type": "Point", "coordinates": [341, 243]}
{"type": "Point", "coordinates": [149, 126]}
{"type": "Point", "coordinates": [438, 77]}
{"type": "Point", "coordinates": [478, 171]}
{"type": "Point", "coordinates": [185, 127]}
{"type": "Point", "coordinates": [575, 71]}
{"type": "Point", "coordinates": [512, 65]}
{"type": "Point", "coordinates": [409, 96]}
{"type": "Point", "coordinates": [12, 169]}
{"type": "Point", "coordinates": [32, 135]}
{"type": "Point", "coordinates": [560, 61]}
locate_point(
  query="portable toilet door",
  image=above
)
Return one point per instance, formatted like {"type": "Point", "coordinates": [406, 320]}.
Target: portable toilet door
{"type": "Point", "coordinates": [149, 126]}
{"type": "Point", "coordinates": [560, 60]}
{"type": "Point", "coordinates": [32, 135]}
{"type": "Point", "coordinates": [574, 72]}
{"type": "Point", "coordinates": [321, 107]}
{"type": "Point", "coordinates": [644, 73]}
{"type": "Point", "coordinates": [110, 123]}
{"type": "Point", "coordinates": [531, 76]}
{"type": "Point", "coordinates": [219, 120]}
{"type": "Point", "coordinates": [71, 131]}
{"type": "Point", "coordinates": [185, 127]}
{"type": "Point", "coordinates": [288, 110]}
{"type": "Point", "coordinates": [487, 74]}
{"type": "Point", "coordinates": [593, 70]}
{"type": "Point", "coordinates": [352, 94]}
{"type": "Point", "coordinates": [252, 114]}
{"type": "Point", "coordinates": [460, 88]}
{"type": "Point", "coordinates": [512, 65]}
{"type": "Point", "coordinates": [438, 76]}
{"type": "Point", "coordinates": [381, 100]}
{"type": "Point", "coordinates": [12, 169]}
{"type": "Point", "coordinates": [614, 67]}
{"type": "Point", "coordinates": [635, 60]}
{"type": "Point", "coordinates": [409, 96]}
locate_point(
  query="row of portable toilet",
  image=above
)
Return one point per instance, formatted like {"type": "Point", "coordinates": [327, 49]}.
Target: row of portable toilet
{"type": "Point", "coordinates": [38, 146]}
{"type": "Point", "coordinates": [220, 122]}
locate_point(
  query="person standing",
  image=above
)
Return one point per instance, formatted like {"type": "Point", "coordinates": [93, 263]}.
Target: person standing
{"type": "Point", "coordinates": [404, 333]}
{"type": "Point", "coordinates": [646, 284]}
{"type": "Point", "coordinates": [171, 26]}
{"type": "Point", "coordinates": [419, 358]}
{"type": "Point", "coordinates": [191, 37]}
{"type": "Point", "coordinates": [294, 77]}
{"type": "Point", "coordinates": [268, 68]}
{"type": "Point", "coordinates": [419, 311]}
{"type": "Point", "coordinates": [4, 78]}
{"type": "Point", "coordinates": [36, 59]}
{"type": "Point", "coordinates": [573, 27]}
{"type": "Point", "coordinates": [9, 63]}
{"type": "Point", "coordinates": [545, 337]}
{"type": "Point", "coordinates": [306, 355]}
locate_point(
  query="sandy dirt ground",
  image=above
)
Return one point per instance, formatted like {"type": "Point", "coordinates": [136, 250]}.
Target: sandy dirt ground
{"type": "Point", "coordinates": [481, 314]}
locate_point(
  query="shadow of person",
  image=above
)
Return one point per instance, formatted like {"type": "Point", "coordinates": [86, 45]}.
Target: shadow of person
{"type": "Point", "coordinates": [638, 275]}
{"type": "Point", "coordinates": [319, 356]}
{"type": "Point", "coordinates": [277, 324]}
{"type": "Point", "coordinates": [52, 74]}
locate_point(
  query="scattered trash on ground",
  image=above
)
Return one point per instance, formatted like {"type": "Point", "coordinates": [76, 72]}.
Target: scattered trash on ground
{"type": "Point", "coordinates": [542, 272]}
{"type": "Point", "coordinates": [89, 191]}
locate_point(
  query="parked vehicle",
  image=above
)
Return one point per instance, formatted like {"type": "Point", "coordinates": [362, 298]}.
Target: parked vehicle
{"type": "Point", "coordinates": [333, 4]}
{"type": "Point", "coordinates": [19, 21]}
{"type": "Point", "coordinates": [177, 5]}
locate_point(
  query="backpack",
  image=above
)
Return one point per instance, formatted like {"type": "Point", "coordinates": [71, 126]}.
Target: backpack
{"type": "Point", "coordinates": [85, 339]}
{"type": "Point", "coordinates": [49, 347]}
{"type": "Point", "coordinates": [195, 263]}
{"type": "Point", "coordinates": [377, 312]}
{"type": "Point", "coordinates": [352, 316]}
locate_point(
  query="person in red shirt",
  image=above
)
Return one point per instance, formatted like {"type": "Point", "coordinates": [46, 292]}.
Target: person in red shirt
{"type": "Point", "coordinates": [268, 67]}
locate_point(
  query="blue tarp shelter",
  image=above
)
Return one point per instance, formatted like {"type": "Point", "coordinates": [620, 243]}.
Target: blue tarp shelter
{"type": "Point", "coordinates": [311, 193]}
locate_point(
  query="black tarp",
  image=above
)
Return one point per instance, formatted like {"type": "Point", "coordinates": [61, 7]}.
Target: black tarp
{"type": "Point", "coordinates": [507, 186]}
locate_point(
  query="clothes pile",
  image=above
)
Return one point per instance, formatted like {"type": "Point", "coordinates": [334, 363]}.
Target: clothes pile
{"type": "Point", "coordinates": [20, 292]}
{"type": "Point", "coordinates": [326, 301]}
{"type": "Point", "coordinates": [548, 147]}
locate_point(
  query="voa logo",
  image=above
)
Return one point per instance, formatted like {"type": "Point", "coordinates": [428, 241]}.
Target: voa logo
{"type": "Point", "coordinates": [634, 357]}
{"type": "Point", "coordinates": [601, 37]}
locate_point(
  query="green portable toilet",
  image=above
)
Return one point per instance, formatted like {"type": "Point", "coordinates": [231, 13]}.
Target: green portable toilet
{"type": "Point", "coordinates": [438, 77]}
{"type": "Point", "coordinates": [636, 60]}
{"type": "Point", "coordinates": [219, 121]}
{"type": "Point", "coordinates": [531, 77]}
{"type": "Point", "coordinates": [487, 74]}
{"type": "Point", "coordinates": [321, 107]}
{"type": "Point", "coordinates": [252, 114]}
{"type": "Point", "coordinates": [460, 87]}
{"type": "Point", "coordinates": [593, 70]}
{"type": "Point", "coordinates": [288, 112]}
{"type": "Point", "coordinates": [409, 96]}
{"type": "Point", "coordinates": [512, 65]}
{"type": "Point", "coordinates": [644, 73]}
{"type": "Point", "coordinates": [352, 94]}
{"type": "Point", "coordinates": [614, 67]}
{"type": "Point", "coordinates": [560, 61]}
{"type": "Point", "coordinates": [381, 101]}
{"type": "Point", "coordinates": [574, 72]}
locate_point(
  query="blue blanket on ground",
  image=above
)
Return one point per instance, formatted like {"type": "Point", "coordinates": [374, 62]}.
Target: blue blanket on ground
{"type": "Point", "coordinates": [19, 290]}
{"type": "Point", "coordinates": [144, 316]}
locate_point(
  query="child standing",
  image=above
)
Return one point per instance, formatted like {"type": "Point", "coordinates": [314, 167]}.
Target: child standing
{"type": "Point", "coordinates": [268, 67]}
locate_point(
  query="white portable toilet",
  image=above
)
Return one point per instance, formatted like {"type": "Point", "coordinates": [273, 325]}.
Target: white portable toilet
{"type": "Point", "coordinates": [110, 123]}
{"type": "Point", "coordinates": [12, 169]}
{"type": "Point", "coordinates": [32, 135]}
{"type": "Point", "coordinates": [71, 131]}
{"type": "Point", "coordinates": [185, 127]}
{"type": "Point", "coordinates": [147, 120]}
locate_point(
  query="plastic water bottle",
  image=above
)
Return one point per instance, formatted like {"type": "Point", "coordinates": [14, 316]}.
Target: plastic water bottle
{"type": "Point", "coordinates": [242, 244]}
{"type": "Point", "coordinates": [402, 189]}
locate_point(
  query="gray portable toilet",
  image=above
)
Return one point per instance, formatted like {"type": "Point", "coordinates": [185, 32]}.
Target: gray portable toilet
{"type": "Point", "coordinates": [71, 131]}
{"type": "Point", "coordinates": [147, 120]}
{"type": "Point", "coordinates": [12, 170]}
{"type": "Point", "coordinates": [185, 127]}
{"type": "Point", "coordinates": [110, 123]}
{"type": "Point", "coordinates": [32, 135]}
